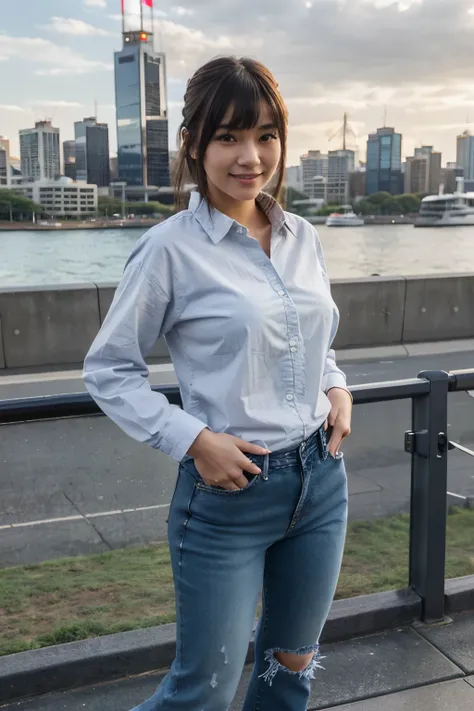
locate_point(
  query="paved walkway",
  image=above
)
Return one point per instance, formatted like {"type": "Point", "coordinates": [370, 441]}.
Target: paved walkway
{"type": "Point", "coordinates": [415, 668]}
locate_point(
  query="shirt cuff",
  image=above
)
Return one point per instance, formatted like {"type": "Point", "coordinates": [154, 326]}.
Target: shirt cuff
{"type": "Point", "coordinates": [179, 433]}
{"type": "Point", "coordinates": [336, 380]}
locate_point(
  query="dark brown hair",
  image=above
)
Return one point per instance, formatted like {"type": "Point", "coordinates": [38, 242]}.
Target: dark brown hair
{"type": "Point", "coordinates": [221, 83]}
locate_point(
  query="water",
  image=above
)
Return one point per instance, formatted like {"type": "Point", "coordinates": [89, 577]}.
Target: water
{"type": "Point", "coordinates": [30, 258]}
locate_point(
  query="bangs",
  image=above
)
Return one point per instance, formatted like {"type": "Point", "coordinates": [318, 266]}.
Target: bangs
{"type": "Point", "coordinates": [244, 95]}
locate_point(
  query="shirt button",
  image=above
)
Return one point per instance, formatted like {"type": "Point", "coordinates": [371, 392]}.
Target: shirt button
{"type": "Point", "coordinates": [292, 343]}
{"type": "Point", "coordinates": [281, 293]}
{"type": "Point", "coordinates": [293, 349]}
{"type": "Point", "coordinates": [290, 396]}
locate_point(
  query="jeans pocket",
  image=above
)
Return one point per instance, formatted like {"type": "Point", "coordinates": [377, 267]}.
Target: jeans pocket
{"type": "Point", "coordinates": [189, 466]}
{"type": "Point", "coordinates": [251, 478]}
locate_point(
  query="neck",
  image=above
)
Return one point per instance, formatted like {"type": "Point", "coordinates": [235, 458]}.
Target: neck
{"type": "Point", "coordinates": [245, 212]}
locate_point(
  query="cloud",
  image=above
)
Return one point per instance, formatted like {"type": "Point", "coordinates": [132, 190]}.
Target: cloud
{"type": "Point", "coordinates": [95, 3]}
{"type": "Point", "coordinates": [186, 48]}
{"type": "Point", "coordinates": [71, 26]}
{"type": "Point", "coordinates": [331, 40]}
{"type": "Point", "coordinates": [182, 11]}
{"type": "Point", "coordinates": [401, 5]}
{"type": "Point", "coordinates": [330, 56]}
{"type": "Point", "coordinates": [58, 60]}
{"type": "Point", "coordinates": [12, 107]}
{"type": "Point", "coordinates": [59, 104]}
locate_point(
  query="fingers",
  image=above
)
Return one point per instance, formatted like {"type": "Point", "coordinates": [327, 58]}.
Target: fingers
{"type": "Point", "coordinates": [241, 482]}
{"type": "Point", "coordinates": [250, 467]}
{"type": "Point", "coordinates": [249, 447]}
{"type": "Point", "coordinates": [234, 483]}
{"type": "Point", "coordinates": [339, 433]}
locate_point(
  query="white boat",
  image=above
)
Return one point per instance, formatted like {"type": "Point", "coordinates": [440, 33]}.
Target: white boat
{"type": "Point", "coordinates": [447, 209]}
{"type": "Point", "coordinates": [348, 218]}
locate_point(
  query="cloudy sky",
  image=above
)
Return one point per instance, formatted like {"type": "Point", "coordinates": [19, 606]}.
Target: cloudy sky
{"type": "Point", "coordinates": [413, 57]}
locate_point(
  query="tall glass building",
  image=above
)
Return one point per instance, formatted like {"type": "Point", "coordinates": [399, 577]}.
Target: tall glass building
{"type": "Point", "coordinates": [140, 98]}
{"type": "Point", "coordinates": [69, 157]}
{"type": "Point", "coordinates": [465, 154]}
{"type": "Point", "coordinates": [384, 162]}
{"type": "Point", "coordinates": [92, 152]}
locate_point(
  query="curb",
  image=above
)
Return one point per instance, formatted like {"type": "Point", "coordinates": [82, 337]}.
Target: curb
{"type": "Point", "coordinates": [459, 594]}
{"type": "Point", "coordinates": [102, 659]}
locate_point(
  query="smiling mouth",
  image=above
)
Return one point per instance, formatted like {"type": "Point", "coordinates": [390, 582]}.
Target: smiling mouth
{"type": "Point", "coordinates": [246, 176]}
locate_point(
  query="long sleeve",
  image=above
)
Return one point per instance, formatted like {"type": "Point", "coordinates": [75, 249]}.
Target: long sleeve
{"type": "Point", "coordinates": [115, 372]}
{"type": "Point", "coordinates": [333, 376]}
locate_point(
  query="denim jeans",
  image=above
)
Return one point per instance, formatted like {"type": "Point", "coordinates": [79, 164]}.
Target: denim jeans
{"type": "Point", "coordinates": [283, 535]}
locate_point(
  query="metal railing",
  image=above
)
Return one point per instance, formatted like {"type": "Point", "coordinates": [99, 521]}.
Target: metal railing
{"type": "Point", "coordinates": [427, 442]}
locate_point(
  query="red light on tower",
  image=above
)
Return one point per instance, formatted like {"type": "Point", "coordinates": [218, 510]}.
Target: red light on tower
{"type": "Point", "coordinates": [143, 36]}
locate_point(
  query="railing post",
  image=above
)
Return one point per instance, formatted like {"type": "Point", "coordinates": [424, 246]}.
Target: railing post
{"type": "Point", "coordinates": [429, 484]}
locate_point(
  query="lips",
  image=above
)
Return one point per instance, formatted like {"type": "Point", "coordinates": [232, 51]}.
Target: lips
{"type": "Point", "coordinates": [246, 177]}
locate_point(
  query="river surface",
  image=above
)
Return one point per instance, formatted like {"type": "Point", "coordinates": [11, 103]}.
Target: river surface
{"type": "Point", "coordinates": [30, 258]}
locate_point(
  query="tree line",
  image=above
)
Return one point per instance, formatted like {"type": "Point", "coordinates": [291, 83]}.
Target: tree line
{"type": "Point", "coordinates": [381, 203]}
{"type": "Point", "coordinates": [20, 208]}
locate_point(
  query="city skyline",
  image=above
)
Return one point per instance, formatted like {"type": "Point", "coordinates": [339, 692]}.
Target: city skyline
{"type": "Point", "coordinates": [413, 57]}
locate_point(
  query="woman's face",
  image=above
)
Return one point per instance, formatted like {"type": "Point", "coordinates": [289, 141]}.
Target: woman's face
{"type": "Point", "coordinates": [240, 163]}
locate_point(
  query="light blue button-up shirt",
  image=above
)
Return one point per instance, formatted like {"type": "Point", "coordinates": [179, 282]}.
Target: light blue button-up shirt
{"type": "Point", "coordinates": [249, 336]}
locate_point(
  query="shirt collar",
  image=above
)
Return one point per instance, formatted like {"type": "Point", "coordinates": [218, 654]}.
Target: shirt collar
{"type": "Point", "coordinates": [217, 225]}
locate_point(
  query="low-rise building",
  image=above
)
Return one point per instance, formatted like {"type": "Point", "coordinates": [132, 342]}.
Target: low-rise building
{"type": "Point", "coordinates": [62, 198]}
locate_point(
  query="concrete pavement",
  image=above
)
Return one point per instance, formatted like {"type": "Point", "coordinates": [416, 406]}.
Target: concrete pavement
{"type": "Point", "coordinates": [417, 668]}
{"type": "Point", "coordinates": [78, 486]}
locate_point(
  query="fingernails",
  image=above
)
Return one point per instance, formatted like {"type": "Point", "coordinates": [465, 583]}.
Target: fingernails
{"type": "Point", "coordinates": [258, 470]}
{"type": "Point", "coordinates": [267, 451]}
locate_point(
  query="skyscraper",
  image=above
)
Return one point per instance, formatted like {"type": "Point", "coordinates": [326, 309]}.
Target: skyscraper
{"type": "Point", "coordinates": [423, 171]}
{"type": "Point", "coordinates": [4, 161]}
{"type": "Point", "coordinates": [465, 154]}
{"type": "Point", "coordinates": [341, 164]}
{"type": "Point", "coordinates": [314, 169]}
{"type": "Point", "coordinates": [92, 152]}
{"type": "Point", "coordinates": [69, 155]}
{"type": "Point", "coordinates": [416, 178]}
{"type": "Point", "coordinates": [140, 98]}
{"type": "Point", "coordinates": [39, 152]}
{"type": "Point", "coordinates": [384, 162]}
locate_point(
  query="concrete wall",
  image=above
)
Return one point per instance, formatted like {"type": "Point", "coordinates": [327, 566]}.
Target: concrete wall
{"type": "Point", "coordinates": [43, 326]}
{"type": "Point", "coordinates": [371, 311]}
{"type": "Point", "coordinates": [54, 326]}
{"type": "Point", "coordinates": [439, 308]}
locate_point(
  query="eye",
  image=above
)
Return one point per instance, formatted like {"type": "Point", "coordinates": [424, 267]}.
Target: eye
{"type": "Point", "coordinates": [268, 137]}
{"type": "Point", "coordinates": [225, 138]}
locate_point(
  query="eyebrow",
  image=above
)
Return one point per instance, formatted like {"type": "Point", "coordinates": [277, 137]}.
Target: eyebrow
{"type": "Point", "coordinates": [264, 127]}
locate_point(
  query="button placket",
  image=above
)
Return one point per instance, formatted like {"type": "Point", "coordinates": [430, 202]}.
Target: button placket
{"type": "Point", "coordinates": [293, 376]}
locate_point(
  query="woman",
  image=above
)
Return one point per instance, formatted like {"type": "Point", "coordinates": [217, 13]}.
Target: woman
{"type": "Point", "coordinates": [239, 290]}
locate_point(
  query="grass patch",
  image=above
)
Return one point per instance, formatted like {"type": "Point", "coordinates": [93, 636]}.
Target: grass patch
{"type": "Point", "coordinates": [75, 598]}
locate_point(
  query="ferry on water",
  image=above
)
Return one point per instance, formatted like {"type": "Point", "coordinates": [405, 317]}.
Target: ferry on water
{"type": "Point", "coordinates": [347, 219]}
{"type": "Point", "coordinates": [447, 209]}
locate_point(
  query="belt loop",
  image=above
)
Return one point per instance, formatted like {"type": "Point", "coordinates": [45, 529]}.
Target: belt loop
{"type": "Point", "coordinates": [266, 464]}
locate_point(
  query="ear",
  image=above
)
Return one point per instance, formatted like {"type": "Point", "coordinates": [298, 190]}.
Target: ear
{"type": "Point", "coordinates": [185, 137]}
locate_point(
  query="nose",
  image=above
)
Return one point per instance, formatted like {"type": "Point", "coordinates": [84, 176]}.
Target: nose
{"type": "Point", "coordinates": [249, 155]}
